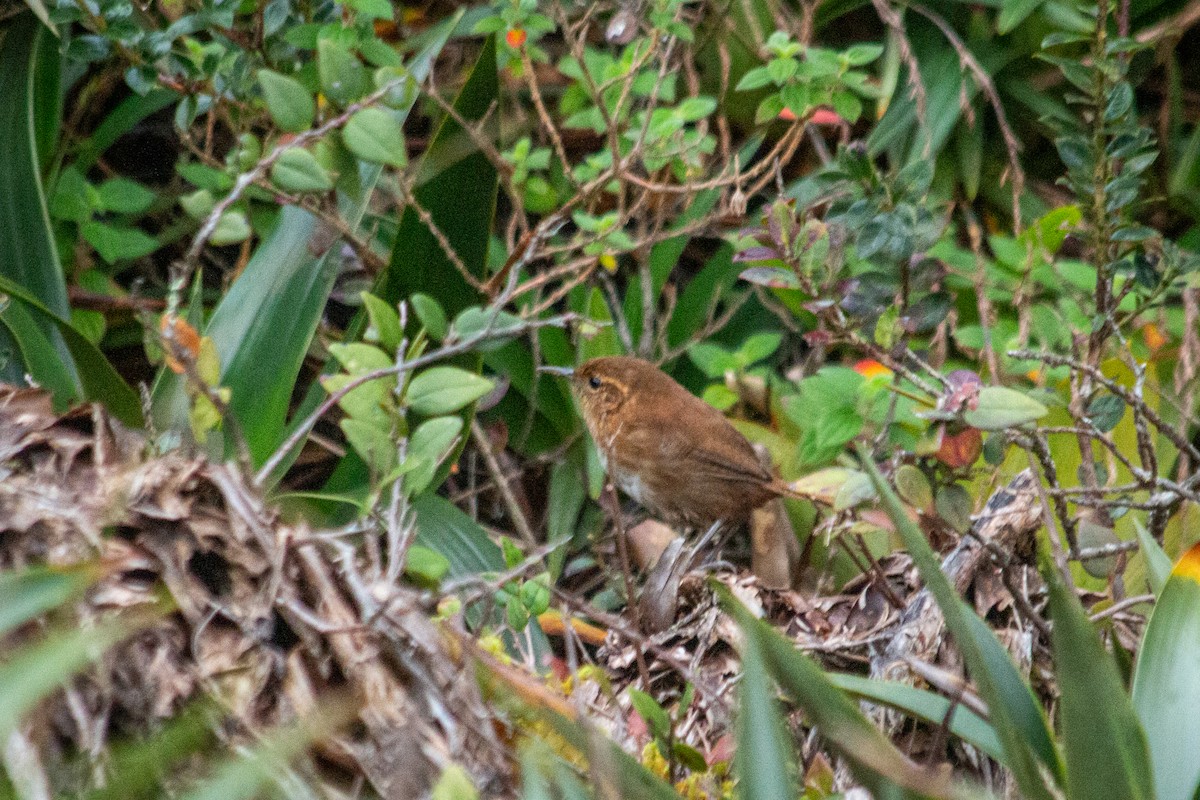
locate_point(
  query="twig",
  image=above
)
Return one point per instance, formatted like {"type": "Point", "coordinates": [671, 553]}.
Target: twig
{"type": "Point", "coordinates": [1056, 543]}
{"type": "Point", "coordinates": [1104, 550]}
{"type": "Point", "coordinates": [984, 81]}
{"type": "Point", "coordinates": [479, 435]}
{"type": "Point", "coordinates": [627, 576]}
{"type": "Point", "coordinates": [182, 269]}
{"type": "Point", "coordinates": [1166, 430]}
{"type": "Point", "coordinates": [453, 349]}
{"type": "Point", "coordinates": [1117, 608]}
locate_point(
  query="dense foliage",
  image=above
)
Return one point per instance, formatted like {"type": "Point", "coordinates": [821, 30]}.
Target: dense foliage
{"type": "Point", "coordinates": [305, 260]}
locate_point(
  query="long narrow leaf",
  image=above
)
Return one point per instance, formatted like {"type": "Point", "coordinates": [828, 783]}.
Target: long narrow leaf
{"type": "Point", "coordinates": [457, 186]}
{"type": "Point", "coordinates": [1105, 748]}
{"type": "Point", "coordinates": [101, 381]}
{"type": "Point", "coordinates": [27, 593]}
{"type": "Point", "coordinates": [764, 764]}
{"type": "Point", "coordinates": [245, 776]}
{"type": "Point", "coordinates": [876, 762]}
{"type": "Point", "coordinates": [39, 669]}
{"type": "Point", "coordinates": [1009, 699]}
{"type": "Point", "coordinates": [1166, 685]}
{"type": "Point", "coordinates": [28, 257]}
{"type": "Point", "coordinates": [924, 705]}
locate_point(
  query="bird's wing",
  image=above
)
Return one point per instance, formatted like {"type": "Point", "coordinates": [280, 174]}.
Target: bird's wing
{"type": "Point", "coordinates": [689, 452]}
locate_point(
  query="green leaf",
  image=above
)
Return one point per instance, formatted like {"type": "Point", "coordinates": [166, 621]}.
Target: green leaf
{"type": "Point", "coordinates": [374, 135]}
{"type": "Point", "coordinates": [371, 401]}
{"type": "Point", "coordinates": [37, 670]}
{"type": "Point", "coordinates": [1105, 411]}
{"type": "Point", "coordinates": [101, 382]}
{"type": "Point", "coordinates": [874, 761]}
{"type": "Point", "coordinates": [426, 566]}
{"type": "Point", "coordinates": [268, 316]}
{"type": "Point", "coordinates": [442, 526]}
{"type": "Point", "coordinates": [913, 487]}
{"type": "Point", "coordinates": [440, 390]}
{"type": "Point", "coordinates": [719, 396]}
{"type": "Point", "coordinates": [758, 347]}
{"type": "Point", "coordinates": [1104, 745]}
{"type": "Point", "coordinates": [654, 715]}
{"type": "Point", "coordinates": [34, 350]}
{"type": "Point", "coordinates": [764, 763]}
{"type": "Point", "coordinates": [781, 70]}
{"type": "Point", "coordinates": [297, 170]}
{"type": "Point", "coordinates": [1000, 408]}
{"type": "Point", "coordinates": [1015, 717]}
{"type": "Point", "coordinates": [290, 105]}
{"type": "Point", "coordinates": [372, 9]}
{"type": "Point", "coordinates": [431, 442]}
{"type": "Point", "coordinates": [953, 504]}
{"type": "Point", "coordinates": [1166, 683]}
{"type": "Point", "coordinates": [1158, 563]}
{"type": "Point", "coordinates": [247, 774]}
{"type": "Point", "coordinates": [1014, 12]}
{"type": "Point", "coordinates": [924, 705]}
{"type": "Point", "coordinates": [372, 443]}
{"type": "Point", "coordinates": [29, 72]}
{"type": "Point", "coordinates": [431, 315]}
{"type": "Point", "coordinates": [27, 593]}
{"type": "Point", "coordinates": [754, 79]}
{"type": "Point", "coordinates": [232, 227]}
{"type": "Point", "coordinates": [535, 595]}
{"type": "Point", "coordinates": [343, 77]}
{"type": "Point", "coordinates": [385, 323]}
{"type": "Point", "coordinates": [1120, 100]}
{"type": "Point", "coordinates": [712, 359]}
{"type": "Point", "coordinates": [115, 243]}
{"type": "Point", "coordinates": [474, 321]}
{"type": "Point", "coordinates": [123, 196]}
{"type": "Point", "coordinates": [860, 54]}
{"type": "Point", "coordinates": [694, 109]}
{"type": "Point", "coordinates": [138, 769]}
{"type": "Point", "coordinates": [456, 185]}
{"type": "Point", "coordinates": [284, 303]}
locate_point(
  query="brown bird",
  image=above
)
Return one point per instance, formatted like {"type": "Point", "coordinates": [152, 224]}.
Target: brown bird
{"type": "Point", "coordinates": [669, 450]}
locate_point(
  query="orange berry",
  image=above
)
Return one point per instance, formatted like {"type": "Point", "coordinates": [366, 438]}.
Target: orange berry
{"type": "Point", "coordinates": [787, 114]}
{"type": "Point", "coordinates": [1153, 337]}
{"type": "Point", "coordinates": [823, 116]}
{"type": "Point", "coordinates": [516, 38]}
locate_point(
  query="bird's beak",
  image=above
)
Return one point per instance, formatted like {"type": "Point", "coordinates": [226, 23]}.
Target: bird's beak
{"type": "Point", "coordinates": [565, 372]}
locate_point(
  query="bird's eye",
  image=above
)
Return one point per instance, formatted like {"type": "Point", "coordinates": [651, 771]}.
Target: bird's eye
{"type": "Point", "coordinates": [594, 381]}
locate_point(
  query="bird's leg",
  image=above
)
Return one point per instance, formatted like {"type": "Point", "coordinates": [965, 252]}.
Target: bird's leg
{"type": "Point", "coordinates": [717, 527]}
{"type": "Point", "coordinates": [627, 575]}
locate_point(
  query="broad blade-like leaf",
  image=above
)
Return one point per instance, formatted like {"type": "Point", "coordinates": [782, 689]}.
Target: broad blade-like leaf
{"type": "Point", "coordinates": [1166, 685]}
{"type": "Point", "coordinates": [28, 257]}
{"type": "Point", "coordinates": [1104, 745]}
{"type": "Point", "coordinates": [876, 762]}
{"type": "Point", "coordinates": [1014, 714]}
{"type": "Point", "coordinates": [765, 766]}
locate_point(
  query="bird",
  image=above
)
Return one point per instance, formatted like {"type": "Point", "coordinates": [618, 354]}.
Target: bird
{"type": "Point", "coordinates": [670, 451]}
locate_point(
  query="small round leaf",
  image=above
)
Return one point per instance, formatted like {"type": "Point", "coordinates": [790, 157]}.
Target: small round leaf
{"type": "Point", "coordinates": [290, 105]}
{"type": "Point", "coordinates": [374, 135]}
{"type": "Point", "coordinates": [1001, 408]}
{"type": "Point", "coordinates": [297, 170]}
{"type": "Point", "coordinates": [441, 390]}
